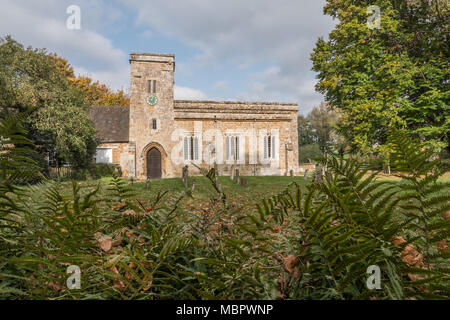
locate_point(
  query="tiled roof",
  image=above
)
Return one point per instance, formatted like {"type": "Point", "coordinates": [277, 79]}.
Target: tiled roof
{"type": "Point", "coordinates": [112, 123]}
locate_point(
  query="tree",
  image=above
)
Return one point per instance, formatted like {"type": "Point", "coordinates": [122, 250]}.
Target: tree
{"type": "Point", "coordinates": [306, 134]}
{"type": "Point", "coordinates": [317, 135]}
{"type": "Point", "coordinates": [393, 77]}
{"type": "Point", "coordinates": [322, 119]}
{"type": "Point", "coordinates": [58, 119]}
{"type": "Point", "coordinates": [95, 93]}
{"type": "Point", "coordinates": [309, 152]}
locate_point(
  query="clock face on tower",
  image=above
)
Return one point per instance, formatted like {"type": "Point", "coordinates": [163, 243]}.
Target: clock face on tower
{"type": "Point", "coordinates": [152, 100]}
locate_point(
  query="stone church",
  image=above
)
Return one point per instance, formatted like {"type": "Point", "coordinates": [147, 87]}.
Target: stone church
{"type": "Point", "coordinates": [156, 136]}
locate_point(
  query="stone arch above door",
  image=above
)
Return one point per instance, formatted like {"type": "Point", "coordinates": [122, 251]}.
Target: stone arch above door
{"type": "Point", "coordinates": [144, 153]}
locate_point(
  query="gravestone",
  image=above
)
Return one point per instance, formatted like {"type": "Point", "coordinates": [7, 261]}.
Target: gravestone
{"type": "Point", "coordinates": [306, 174]}
{"type": "Point", "coordinates": [318, 175]}
{"type": "Point", "coordinates": [185, 176]}
{"type": "Point", "coordinates": [147, 183]}
{"type": "Point", "coordinates": [216, 169]}
{"type": "Point", "coordinates": [292, 173]}
{"type": "Point", "coordinates": [243, 182]}
{"type": "Point", "coordinates": [237, 176]}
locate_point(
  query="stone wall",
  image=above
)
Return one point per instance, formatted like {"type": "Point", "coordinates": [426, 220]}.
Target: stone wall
{"type": "Point", "coordinates": [253, 119]}
{"type": "Point", "coordinates": [119, 155]}
{"type": "Point", "coordinates": [146, 67]}
{"type": "Point", "coordinates": [251, 135]}
{"type": "Point", "coordinates": [307, 166]}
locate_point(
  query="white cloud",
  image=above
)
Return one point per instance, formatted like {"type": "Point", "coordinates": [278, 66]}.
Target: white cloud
{"type": "Point", "coordinates": [272, 82]}
{"type": "Point", "coordinates": [43, 25]}
{"type": "Point", "coordinates": [244, 34]}
{"type": "Point", "coordinates": [115, 79]}
{"type": "Point", "coordinates": [277, 33]}
{"type": "Point", "coordinates": [185, 93]}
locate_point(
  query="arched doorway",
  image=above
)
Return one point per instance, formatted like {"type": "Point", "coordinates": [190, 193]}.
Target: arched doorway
{"type": "Point", "coordinates": [154, 164]}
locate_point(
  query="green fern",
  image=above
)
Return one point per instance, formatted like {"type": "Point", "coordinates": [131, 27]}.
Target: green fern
{"type": "Point", "coordinates": [119, 190]}
{"type": "Point", "coordinates": [348, 223]}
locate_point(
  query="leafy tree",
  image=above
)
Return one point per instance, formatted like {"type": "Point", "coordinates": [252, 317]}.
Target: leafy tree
{"type": "Point", "coordinates": [306, 134]}
{"type": "Point", "coordinates": [95, 93]}
{"type": "Point", "coordinates": [317, 134]}
{"type": "Point", "coordinates": [393, 77]}
{"type": "Point", "coordinates": [309, 152]}
{"type": "Point", "coordinates": [58, 120]}
{"type": "Point", "coordinates": [322, 120]}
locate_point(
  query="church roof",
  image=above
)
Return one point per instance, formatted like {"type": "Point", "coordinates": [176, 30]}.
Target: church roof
{"type": "Point", "coordinates": [112, 123]}
{"type": "Point", "coordinates": [249, 103]}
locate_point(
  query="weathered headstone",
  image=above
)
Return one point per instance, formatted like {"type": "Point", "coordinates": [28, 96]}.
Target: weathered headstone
{"type": "Point", "coordinates": [237, 175]}
{"type": "Point", "coordinates": [185, 176]}
{"type": "Point", "coordinates": [216, 169]}
{"type": "Point", "coordinates": [292, 173]}
{"type": "Point", "coordinates": [232, 173]}
{"type": "Point", "coordinates": [318, 177]}
{"type": "Point", "coordinates": [317, 174]}
{"type": "Point", "coordinates": [193, 186]}
{"type": "Point", "coordinates": [147, 183]}
{"type": "Point", "coordinates": [243, 182]}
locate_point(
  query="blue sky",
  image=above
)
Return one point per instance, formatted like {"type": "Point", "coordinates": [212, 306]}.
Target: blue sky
{"type": "Point", "coordinates": [252, 50]}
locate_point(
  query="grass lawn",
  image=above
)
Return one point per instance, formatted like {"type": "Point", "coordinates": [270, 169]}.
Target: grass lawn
{"type": "Point", "coordinates": [256, 189]}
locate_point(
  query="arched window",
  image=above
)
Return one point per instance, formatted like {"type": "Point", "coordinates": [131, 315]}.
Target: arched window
{"type": "Point", "coordinates": [190, 148]}
{"type": "Point", "coordinates": [195, 149]}
{"type": "Point", "coordinates": [151, 86]}
{"type": "Point", "coordinates": [270, 147]}
{"type": "Point", "coordinates": [232, 148]}
{"type": "Point", "coordinates": [186, 148]}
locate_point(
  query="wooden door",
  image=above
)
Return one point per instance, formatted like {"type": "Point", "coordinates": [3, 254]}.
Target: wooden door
{"type": "Point", "coordinates": [154, 164]}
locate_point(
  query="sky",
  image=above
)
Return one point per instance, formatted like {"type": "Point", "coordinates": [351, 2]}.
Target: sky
{"type": "Point", "coordinates": [246, 50]}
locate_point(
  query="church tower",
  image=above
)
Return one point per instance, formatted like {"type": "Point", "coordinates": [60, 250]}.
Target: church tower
{"type": "Point", "coordinates": [151, 114]}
